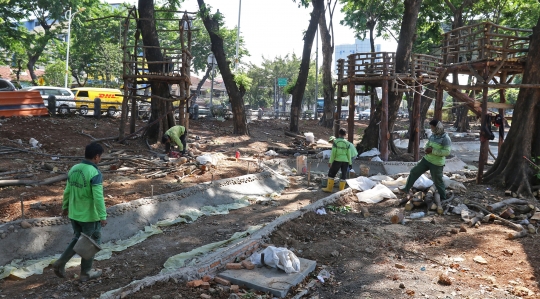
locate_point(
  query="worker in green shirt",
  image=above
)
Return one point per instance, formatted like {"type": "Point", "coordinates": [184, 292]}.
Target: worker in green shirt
{"type": "Point", "coordinates": [352, 148]}
{"type": "Point", "coordinates": [84, 204]}
{"type": "Point", "coordinates": [437, 148]}
{"type": "Point", "coordinates": [176, 135]}
{"type": "Point", "coordinates": [340, 159]}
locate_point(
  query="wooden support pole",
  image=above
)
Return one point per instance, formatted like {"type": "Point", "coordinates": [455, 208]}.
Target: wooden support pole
{"type": "Point", "coordinates": [350, 127]}
{"type": "Point", "coordinates": [502, 97]}
{"type": "Point", "coordinates": [384, 114]}
{"type": "Point", "coordinates": [439, 103]}
{"type": "Point", "coordinates": [416, 122]}
{"type": "Point", "coordinates": [484, 141]}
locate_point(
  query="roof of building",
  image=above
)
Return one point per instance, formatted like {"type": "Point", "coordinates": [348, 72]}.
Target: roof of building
{"type": "Point", "coordinates": [6, 72]}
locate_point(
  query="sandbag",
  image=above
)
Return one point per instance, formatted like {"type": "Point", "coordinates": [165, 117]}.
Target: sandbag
{"type": "Point", "coordinates": [277, 257]}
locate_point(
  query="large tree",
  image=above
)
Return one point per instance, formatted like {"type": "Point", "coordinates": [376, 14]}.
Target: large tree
{"type": "Point", "coordinates": [327, 41]}
{"type": "Point", "coordinates": [407, 35]}
{"type": "Point", "coordinates": [300, 85]}
{"type": "Point", "coordinates": [159, 107]}
{"type": "Point", "coordinates": [212, 25]}
{"type": "Point", "coordinates": [511, 169]}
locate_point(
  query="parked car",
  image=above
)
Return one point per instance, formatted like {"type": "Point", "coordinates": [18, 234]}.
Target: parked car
{"type": "Point", "coordinates": [364, 114]}
{"type": "Point", "coordinates": [6, 85]}
{"type": "Point", "coordinates": [403, 114]}
{"type": "Point", "coordinates": [64, 97]}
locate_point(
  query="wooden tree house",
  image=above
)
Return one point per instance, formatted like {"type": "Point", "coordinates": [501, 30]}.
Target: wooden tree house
{"type": "Point", "coordinates": [174, 68]}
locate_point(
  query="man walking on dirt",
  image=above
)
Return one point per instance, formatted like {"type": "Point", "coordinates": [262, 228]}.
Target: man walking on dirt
{"type": "Point", "coordinates": [339, 159]}
{"type": "Point", "coordinates": [176, 135]}
{"type": "Point", "coordinates": [437, 148]}
{"type": "Point", "coordinates": [84, 204]}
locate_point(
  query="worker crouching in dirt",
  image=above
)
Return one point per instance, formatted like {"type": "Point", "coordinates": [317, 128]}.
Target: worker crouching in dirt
{"type": "Point", "coordinates": [176, 135]}
{"type": "Point", "coordinates": [84, 204]}
{"type": "Point", "coordinates": [436, 149]}
{"type": "Point", "coordinates": [340, 159]}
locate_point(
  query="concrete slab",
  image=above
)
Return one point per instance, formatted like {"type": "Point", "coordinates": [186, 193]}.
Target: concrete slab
{"type": "Point", "coordinates": [272, 280]}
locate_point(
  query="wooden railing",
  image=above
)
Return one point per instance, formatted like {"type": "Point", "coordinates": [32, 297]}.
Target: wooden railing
{"type": "Point", "coordinates": [484, 41]}
{"type": "Point", "coordinates": [374, 64]}
{"type": "Point", "coordinates": [425, 66]}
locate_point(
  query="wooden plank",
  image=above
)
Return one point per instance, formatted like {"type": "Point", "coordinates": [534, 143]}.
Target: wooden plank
{"type": "Point", "coordinates": [495, 105]}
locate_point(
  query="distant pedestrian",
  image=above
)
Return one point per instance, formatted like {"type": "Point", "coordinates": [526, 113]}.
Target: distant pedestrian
{"type": "Point", "coordinates": [340, 159]}
{"type": "Point", "coordinates": [175, 135]}
{"type": "Point", "coordinates": [84, 204]}
{"type": "Point", "coordinates": [437, 148]}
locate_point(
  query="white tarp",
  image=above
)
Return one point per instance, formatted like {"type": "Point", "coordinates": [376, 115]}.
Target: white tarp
{"type": "Point", "coordinates": [361, 183]}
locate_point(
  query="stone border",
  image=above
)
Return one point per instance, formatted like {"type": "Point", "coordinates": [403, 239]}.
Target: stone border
{"type": "Point", "coordinates": [216, 261]}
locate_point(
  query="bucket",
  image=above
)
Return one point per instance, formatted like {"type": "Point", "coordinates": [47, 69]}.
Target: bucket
{"type": "Point", "coordinates": [86, 247]}
{"type": "Point", "coordinates": [364, 170]}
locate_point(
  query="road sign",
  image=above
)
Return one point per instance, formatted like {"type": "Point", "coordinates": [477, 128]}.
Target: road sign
{"type": "Point", "coordinates": [282, 82]}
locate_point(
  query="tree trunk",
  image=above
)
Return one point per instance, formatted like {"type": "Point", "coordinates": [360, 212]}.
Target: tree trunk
{"type": "Point", "coordinates": [237, 102]}
{"type": "Point", "coordinates": [407, 35]}
{"type": "Point", "coordinates": [510, 169]}
{"type": "Point", "coordinates": [150, 38]}
{"type": "Point", "coordinates": [328, 88]}
{"type": "Point", "coordinates": [300, 86]}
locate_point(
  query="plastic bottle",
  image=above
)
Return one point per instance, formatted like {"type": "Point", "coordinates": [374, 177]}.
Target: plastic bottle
{"type": "Point", "coordinates": [417, 215]}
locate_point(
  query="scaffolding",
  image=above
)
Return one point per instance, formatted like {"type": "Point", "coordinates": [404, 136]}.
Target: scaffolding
{"type": "Point", "coordinates": [173, 70]}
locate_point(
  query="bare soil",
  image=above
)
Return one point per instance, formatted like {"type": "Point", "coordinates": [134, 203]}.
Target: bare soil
{"type": "Point", "coordinates": [367, 257]}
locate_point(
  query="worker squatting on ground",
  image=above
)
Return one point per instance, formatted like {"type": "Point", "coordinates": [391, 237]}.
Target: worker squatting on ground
{"type": "Point", "coordinates": [84, 204]}
{"type": "Point", "coordinates": [436, 149]}
{"type": "Point", "coordinates": [339, 159]}
{"type": "Point", "coordinates": [176, 135]}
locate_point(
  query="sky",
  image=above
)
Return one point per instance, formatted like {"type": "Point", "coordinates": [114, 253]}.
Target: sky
{"type": "Point", "coordinates": [272, 28]}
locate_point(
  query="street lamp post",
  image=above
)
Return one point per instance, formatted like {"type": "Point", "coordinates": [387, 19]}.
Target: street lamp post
{"type": "Point", "coordinates": [71, 16]}
{"type": "Point", "coordinates": [212, 61]}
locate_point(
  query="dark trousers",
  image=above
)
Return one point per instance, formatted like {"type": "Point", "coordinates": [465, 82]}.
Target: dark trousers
{"type": "Point", "coordinates": [436, 175]}
{"type": "Point", "coordinates": [183, 140]}
{"type": "Point", "coordinates": [91, 229]}
{"type": "Point", "coordinates": [336, 166]}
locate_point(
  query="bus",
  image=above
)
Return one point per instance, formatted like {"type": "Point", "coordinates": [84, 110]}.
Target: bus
{"type": "Point", "coordinates": [344, 106]}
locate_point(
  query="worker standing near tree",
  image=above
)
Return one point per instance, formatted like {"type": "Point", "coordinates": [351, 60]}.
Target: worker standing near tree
{"type": "Point", "coordinates": [84, 204]}
{"type": "Point", "coordinates": [437, 148]}
{"type": "Point", "coordinates": [340, 159]}
{"type": "Point", "coordinates": [176, 135]}
{"type": "Point", "coordinates": [352, 148]}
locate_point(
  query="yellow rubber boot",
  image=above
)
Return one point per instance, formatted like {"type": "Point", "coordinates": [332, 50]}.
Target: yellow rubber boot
{"type": "Point", "coordinates": [329, 186]}
{"type": "Point", "coordinates": [342, 185]}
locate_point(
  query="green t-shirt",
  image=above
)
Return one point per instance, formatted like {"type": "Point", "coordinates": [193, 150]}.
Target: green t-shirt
{"type": "Point", "coordinates": [341, 151]}
{"type": "Point", "coordinates": [441, 145]}
{"type": "Point", "coordinates": [83, 196]}
{"type": "Point", "coordinates": [175, 133]}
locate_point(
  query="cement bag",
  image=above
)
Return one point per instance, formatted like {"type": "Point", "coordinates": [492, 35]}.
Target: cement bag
{"type": "Point", "coordinates": [310, 138]}
{"type": "Point", "coordinates": [380, 177]}
{"type": "Point", "coordinates": [422, 183]}
{"type": "Point", "coordinates": [361, 183]}
{"type": "Point", "coordinates": [401, 181]}
{"type": "Point", "coordinates": [277, 257]}
{"type": "Point", "coordinates": [454, 185]}
{"type": "Point", "coordinates": [375, 195]}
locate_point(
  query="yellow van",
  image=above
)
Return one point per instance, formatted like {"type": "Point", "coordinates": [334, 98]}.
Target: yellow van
{"type": "Point", "coordinates": [111, 99]}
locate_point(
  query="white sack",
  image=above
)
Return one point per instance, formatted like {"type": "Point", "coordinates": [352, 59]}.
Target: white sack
{"type": "Point", "coordinates": [401, 181]}
{"type": "Point", "coordinates": [361, 183]}
{"type": "Point", "coordinates": [422, 183]}
{"type": "Point", "coordinates": [370, 153]}
{"type": "Point", "coordinates": [375, 195]}
{"type": "Point", "coordinates": [380, 177]}
{"type": "Point", "coordinates": [277, 257]}
{"type": "Point", "coordinates": [310, 138]}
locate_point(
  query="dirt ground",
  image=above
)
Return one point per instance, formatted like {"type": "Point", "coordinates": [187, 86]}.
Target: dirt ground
{"type": "Point", "coordinates": [367, 257]}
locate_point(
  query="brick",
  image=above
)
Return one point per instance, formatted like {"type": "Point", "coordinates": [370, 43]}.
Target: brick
{"type": "Point", "coordinates": [222, 281]}
{"type": "Point", "coordinates": [235, 288]}
{"type": "Point", "coordinates": [248, 264]}
{"type": "Point", "coordinates": [266, 245]}
{"type": "Point", "coordinates": [194, 283]}
{"type": "Point", "coordinates": [234, 266]}
{"type": "Point", "coordinates": [207, 278]}
{"type": "Point", "coordinates": [215, 264]}
{"type": "Point", "coordinates": [205, 285]}
{"type": "Point", "coordinates": [206, 296]}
